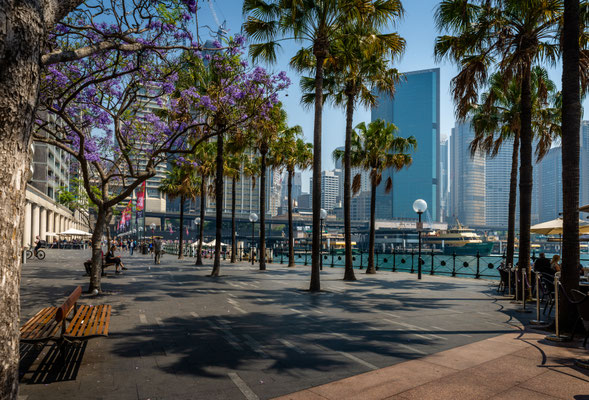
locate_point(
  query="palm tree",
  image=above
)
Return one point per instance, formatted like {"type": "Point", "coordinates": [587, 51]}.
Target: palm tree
{"type": "Point", "coordinates": [264, 132]}
{"type": "Point", "coordinates": [314, 23]}
{"type": "Point", "coordinates": [574, 70]}
{"type": "Point", "coordinates": [517, 35]}
{"type": "Point", "coordinates": [357, 68]}
{"type": "Point", "coordinates": [291, 152]}
{"type": "Point", "coordinates": [205, 159]}
{"type": "Point", "coordinates": [497, 120]}
{"type": "Point", "coordinates": [180, 182]}
{"type": "Point", "coordinates": [375, 149]}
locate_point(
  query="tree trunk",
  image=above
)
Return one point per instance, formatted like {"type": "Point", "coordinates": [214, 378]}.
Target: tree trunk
{"type": "Point", "coordinates": [512, 202]}
{"type": "Point", "coordinates": [291, 257]}
{"type": "Point", "coordinates": [571, 117]}
{"type": "Point", "coordinates": [349, 268]}
{"type": "Point", "coordinates": [201, 228]}
{"type": "Point", "coordinates": [107, 220]}
{"type": "Point", "coordinates": [262, 252]}
{"type": "Point", "coordinates": [21, 33]}
{"type": "Point", "coordinates": [315, 285]}
{"type": "Point", "coordinates": [97, 251]}
{"type": "Point", "coordinates": [233, 227]}
{"type": "Point", "coordinates": [181, 233]}
{"type": "Point", "coordinates": [218, 206]}
{"type": "Point", "coordinates": [525, 184]}
{"type": "Point", "coordinates": [370, 269]}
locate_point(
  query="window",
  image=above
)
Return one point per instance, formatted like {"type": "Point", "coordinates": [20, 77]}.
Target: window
{"type": "Point", "coordinates": [153, 193]}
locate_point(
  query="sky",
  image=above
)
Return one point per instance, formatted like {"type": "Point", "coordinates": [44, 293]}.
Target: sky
{"type": "Point", "coordinates": [418, 29]}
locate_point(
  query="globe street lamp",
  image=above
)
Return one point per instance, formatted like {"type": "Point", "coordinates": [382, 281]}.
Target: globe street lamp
{"type": "Point", "coordinates": [322, 216]}
{"type": "Point", "coordinates": [419, 206]}
{"type": "Point", "coordinates": [253, 218]}
{"type": "Point", "coordinates": [197, 223]}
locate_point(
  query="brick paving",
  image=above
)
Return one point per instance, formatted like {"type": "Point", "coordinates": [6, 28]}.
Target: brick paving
{"type": "Point", "coordinates": [178, 334]}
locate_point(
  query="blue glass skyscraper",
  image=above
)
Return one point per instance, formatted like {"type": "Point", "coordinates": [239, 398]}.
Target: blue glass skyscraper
{"type": "Point", "coordinates": [415, 110]}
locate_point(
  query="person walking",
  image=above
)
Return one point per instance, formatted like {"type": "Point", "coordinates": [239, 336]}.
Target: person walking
{"type": "Point", "coordinates": [157, 248]}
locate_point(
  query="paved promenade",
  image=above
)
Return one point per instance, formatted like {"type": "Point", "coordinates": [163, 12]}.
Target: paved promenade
{"type": "Point", "coordinates": [177, 334]}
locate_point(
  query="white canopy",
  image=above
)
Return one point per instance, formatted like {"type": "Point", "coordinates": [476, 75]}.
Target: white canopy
{"type": "Point", "coordinates": [74, 232]}
{"type": "Point", "coordinates": [554, 227]}
{"type": "Point", "coordinates": [195, 244]}
{"type": "Point", "coordinates": [213, 242]}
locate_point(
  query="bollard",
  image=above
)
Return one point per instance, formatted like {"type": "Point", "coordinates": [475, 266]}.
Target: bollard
{"type": "Point", "coordinates": [509, 279]}
{"type": "Point", "coordinates": [361, 254]}
{"type": "Point", "coordinates": [537, 321]}
{"type": "Point", "coordinates": [524, 278]}
{"type": "Point", "coordinates": [394, 266]}
{"type": "Point", "coordinates": [516, 288]}
{"type": "Point", "coordinates": [432, 269]}
{"type": "Point", "coordinates": [478, 275]}
{"type": "Point", "coordinates": [376, 260]}
{"type": "Point", "coordinates": [453, 263]}
{"type": "Point", "coordinates": [556, 337]}
{"type": "Point", "coordinates": [332, 255]}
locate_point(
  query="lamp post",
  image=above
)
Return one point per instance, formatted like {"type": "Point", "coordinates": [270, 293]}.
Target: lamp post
{"type": "Point", "coordinates": [419, 206]}
{"type": "Point", "coordinates": [197, 223]}
{"type": "Point", "coordinates": [322, 216]}
{"type": "Point", "coordinates": [253, 218]}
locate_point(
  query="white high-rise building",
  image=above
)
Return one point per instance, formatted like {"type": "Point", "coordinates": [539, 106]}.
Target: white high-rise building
{"type": "Point", "coordinates": [498, 176]}
{"type": "Point", "coordinates": [330, 189]}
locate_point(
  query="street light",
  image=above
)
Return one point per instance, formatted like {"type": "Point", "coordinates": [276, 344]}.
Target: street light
{"type": "Point", "coordinates": [197, 223]}
{"type": "Point", "coordinates": [419, 206]}
{"type": "Point", "coordinates": [253, 219]}
{"type": "Point", "coordinates": [322, 216]}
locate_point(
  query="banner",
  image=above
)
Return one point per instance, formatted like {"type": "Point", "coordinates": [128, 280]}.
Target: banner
{"type": "Point", "coordinates": [140, 205]}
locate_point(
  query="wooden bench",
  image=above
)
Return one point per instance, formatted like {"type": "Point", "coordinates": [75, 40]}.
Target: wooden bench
{"type": "Point", "coordinates": [51, 323]}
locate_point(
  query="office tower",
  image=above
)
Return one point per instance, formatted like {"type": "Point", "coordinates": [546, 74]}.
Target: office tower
{"type": "Point", "coordinates": [364, 177]}
{"type": "Point", "coordinates": [467, 178]}
{"type": "Point", "coordinates": [329, 189]}
{"type": "Point", "coordinates": [497, 180]}
{"type": "Point", "coordinates": [444, 190]}
{"type": "Point", "coordinates": [548, 184]}
{"type": "Point", "coordinates": [415, 110]}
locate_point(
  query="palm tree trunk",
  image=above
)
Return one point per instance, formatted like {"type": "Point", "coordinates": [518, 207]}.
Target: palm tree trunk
{"type": "Point", "coordinates": [315, 285]}
{"type": "Point", "coordinates": [201, 228]}
{"type": "Point", "coordinates": [512, 202]}
{"type": "Point", "coordinates": [262, 255]}
{"type": "Point", "coordinates": [291, 259]}
{"type": "Point", "coordinates": [525, 184]}
{"type": "Point", "coordinates": [218, 206]}
{"type": "Point", "coordinates": [349, 269]}
{"type": "Point", "coordinates": [370, 269]}
{"type": "Point", "coordinates": [571, 117]}
{"type": "Point", "coordinates": [233, 236]}
{"type": "Point", "coordinates": [181, 233]}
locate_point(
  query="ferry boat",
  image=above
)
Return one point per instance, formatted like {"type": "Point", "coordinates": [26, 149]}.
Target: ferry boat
{"type": "Point", "coordinates": [460, 240]}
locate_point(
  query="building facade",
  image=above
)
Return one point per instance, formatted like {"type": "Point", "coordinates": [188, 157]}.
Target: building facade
{"type": "Point", "coordinates": [467, 178]}
{"type": "Point", "coordinates": [330, 189]}
{"type": "Point", "coordinates": [415, 110]}
{"type": "Point", "coordinates": [497, 180]}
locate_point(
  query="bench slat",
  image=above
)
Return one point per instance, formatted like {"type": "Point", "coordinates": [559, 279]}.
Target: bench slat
{"type": "Point", "coordinates": [40, 327]}
{"type": "Point", "coordinates": [89, 321]}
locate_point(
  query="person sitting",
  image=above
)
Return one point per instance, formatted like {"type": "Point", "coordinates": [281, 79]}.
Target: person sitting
{"type": "Point", "coordinates": [554, 264]}
{"type": "Point", "coordinates": [111, 258]}
{"type": "Point", "coordinates": [542, 265]}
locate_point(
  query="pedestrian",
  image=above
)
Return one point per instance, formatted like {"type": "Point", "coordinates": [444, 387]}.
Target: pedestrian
{"type": "Point", "coordinates": [131, 247]}
{"type": "Point", "coordinates": [157, 247]}
{"type": "Point", "coordinates": [543, 265]}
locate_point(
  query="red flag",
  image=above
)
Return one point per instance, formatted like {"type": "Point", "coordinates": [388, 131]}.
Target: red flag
{"type": "Point", "coordinates": [141, 198]}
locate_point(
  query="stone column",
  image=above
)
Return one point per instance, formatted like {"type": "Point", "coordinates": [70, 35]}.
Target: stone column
{"type": "Point", "coordinates": [36, 218]}
{"type": "Point", "coordinates": [43, 223]}
{"type": "Point", "coordinates": [50, 221]}
{"type": "Point", "coordinates": [26, 239]}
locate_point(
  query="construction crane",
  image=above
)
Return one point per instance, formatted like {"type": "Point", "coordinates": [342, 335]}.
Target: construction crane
{"type": "Point", "coordinates": [221, 27]}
